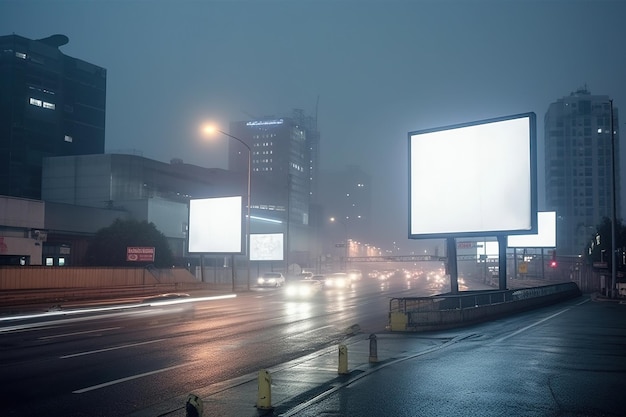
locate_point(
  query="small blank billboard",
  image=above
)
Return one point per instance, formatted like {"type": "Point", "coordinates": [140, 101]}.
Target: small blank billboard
{"type": "Point", "coordinates": [474, 179]}
{"type": "Point", "coordinates": [267, 247]}
{"type": "Point", "coordinates": [545, 237]}
{"type": "Point", "coordinates": [216, 225]}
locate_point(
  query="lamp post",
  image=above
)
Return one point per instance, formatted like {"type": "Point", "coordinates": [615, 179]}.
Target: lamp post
{"type": "Point", "coordinates": [211, 129]}
{"type": "Point", "coordinates": [345, 229]}
{"type": "Point", "coordinates": [613, 209]}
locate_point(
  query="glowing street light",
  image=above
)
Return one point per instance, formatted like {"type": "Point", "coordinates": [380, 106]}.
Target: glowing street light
{"type": "Point", "coordinates": [211, 130]}
{"type": "Point", "coordinates": [345, 228]}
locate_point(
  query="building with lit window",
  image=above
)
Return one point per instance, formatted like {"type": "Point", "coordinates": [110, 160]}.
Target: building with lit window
{"type": "Point", "coordinates": [283, 177]}
{"type": "Point", "coordinates": [346, 195]}
{"type": "Point", "coordinates": [578, 166]}
{"type": "Point", "coordinates": [51, 105]}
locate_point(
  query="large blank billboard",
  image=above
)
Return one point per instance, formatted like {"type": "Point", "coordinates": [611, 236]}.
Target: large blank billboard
{"type": "Point", "coordinates": [216, 225]}
{"type": "Point", "coordinates": [545, 237]}
{"type": "Point", "coordinates": [474, 179]}
{"type": "Point", "coordinates": [267, 247]}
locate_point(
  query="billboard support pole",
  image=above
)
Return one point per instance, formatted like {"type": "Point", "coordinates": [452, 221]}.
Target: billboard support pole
{"type": "Point", "coordinates": [451, 264]}
{"type": "Point", "coordinates": [502, 262]}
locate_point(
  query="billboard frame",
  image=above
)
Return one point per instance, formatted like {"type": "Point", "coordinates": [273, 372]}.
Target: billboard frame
{"type": "Point", "coordinates": [532, 181]}
{"type": "Point", "coordinates": [240, 225]}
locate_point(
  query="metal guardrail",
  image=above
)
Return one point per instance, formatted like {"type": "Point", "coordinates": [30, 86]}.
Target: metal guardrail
{"type": "Point", "coordinates": [448, 310]}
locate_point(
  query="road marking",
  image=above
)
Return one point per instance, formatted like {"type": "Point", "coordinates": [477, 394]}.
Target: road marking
{"type": "Point", "coordinates": [128, 378]}
{"type": "Point", "coordinates": [77, 333]}
{"type": "Point", "coordinates": [530, 326]}
{"type": "Point", "coordinates": [91, 352]}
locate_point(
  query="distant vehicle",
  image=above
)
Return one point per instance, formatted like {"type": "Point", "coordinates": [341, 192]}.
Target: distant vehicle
{"type": "Point", "coordinates": [171, 305]}
{"type": "Point", "coordinates": [355, 274]}
{"type": "Point", "coordinates": [338, 280]}
{"type": "Point", "coordinates": [306, 275]}
{"type": "Point", "coordinates": [168, 298]}
{"type": "Point", "coordinates": [271, 279]}
{"type": "Point", "coordinates": [304, 288]}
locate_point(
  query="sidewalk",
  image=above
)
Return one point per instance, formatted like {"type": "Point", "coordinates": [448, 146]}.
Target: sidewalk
{"type": "Point", "coordinates": [407, 381]}
{"type": "Point", "coordinates": [297, 383]}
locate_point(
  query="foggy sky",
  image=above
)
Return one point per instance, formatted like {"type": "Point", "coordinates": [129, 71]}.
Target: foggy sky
{"type": "Point", "coordinates": [372, 70]}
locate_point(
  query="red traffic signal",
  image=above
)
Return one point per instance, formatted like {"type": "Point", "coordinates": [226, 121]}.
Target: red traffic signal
{"type": "Point", "coordinates": [553, 263]}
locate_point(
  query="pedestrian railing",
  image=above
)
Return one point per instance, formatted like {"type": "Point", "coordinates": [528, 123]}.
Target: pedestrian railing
{"type": "Point", "coordinates": [449, 310]}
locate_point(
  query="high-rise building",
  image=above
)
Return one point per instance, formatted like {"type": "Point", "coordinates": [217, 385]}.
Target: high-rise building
{"type": "Point", "coordinates": [579, 146]}
{"type": "Point", "coordinates": [347, 197]}
{"type": "Point", "coordinates": [50, 105]}
{"type": "Point", "coordinates": [283, 161]}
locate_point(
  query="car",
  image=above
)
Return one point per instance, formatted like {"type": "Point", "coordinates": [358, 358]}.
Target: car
{"type": "Point", "coordinates": [355, 274]}
{"type": "Point", "coordinates": [306, 275]}
{"type": "Point", "coordinates": [271, 279]}
{"type": "Point", "coordinates": [338, 280]}
{"type": "Point", "coordinates": [304, 288]}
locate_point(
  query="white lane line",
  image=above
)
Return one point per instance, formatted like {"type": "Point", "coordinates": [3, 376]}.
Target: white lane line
{"type": "Point", "coordinates": [530, 326]}
{"type": "Point", "coordinates": [91, 352]}
{"type": "Point", "coordinates": [129, 378]}
{"type": "Point", "coordinates": [77, 333]}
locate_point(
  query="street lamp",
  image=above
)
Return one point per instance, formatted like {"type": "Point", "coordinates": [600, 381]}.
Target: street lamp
{"type": "Point", "coordinates": [613, 209]}
{"type": "Point", "coordinates": [210, 130]}
{"type": "Point", "coordinates": [345, 228]}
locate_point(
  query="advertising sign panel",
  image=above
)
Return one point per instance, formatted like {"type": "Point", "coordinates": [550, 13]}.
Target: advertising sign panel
{"type": "Point", "coordinates": [474, 179]}
{"type": "Point", "coordinates": [139, 254]}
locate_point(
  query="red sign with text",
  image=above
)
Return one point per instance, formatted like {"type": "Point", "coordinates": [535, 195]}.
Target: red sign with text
{"type": "Point", "coordinates": [140, 254]}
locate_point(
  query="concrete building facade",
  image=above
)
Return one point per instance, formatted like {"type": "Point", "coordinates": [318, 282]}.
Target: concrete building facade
{"type": "Point", "coordinates": [51, 105]}
{"type": "Point", "coordinates": [579, 175]}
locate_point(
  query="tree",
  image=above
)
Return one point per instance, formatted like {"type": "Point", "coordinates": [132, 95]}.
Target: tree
{"type": "Point", "coordinates": [600, 245]}
{"type": "Point", "coordinates": [108, 247]}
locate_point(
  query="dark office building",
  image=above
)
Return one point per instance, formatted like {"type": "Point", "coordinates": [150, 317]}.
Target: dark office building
{"type": "Point", "coordinates": [50, 105]}
{"type": "Point", "coordinates": [579, 174]}
{"type": "Point", "coordinates": [283, 174]}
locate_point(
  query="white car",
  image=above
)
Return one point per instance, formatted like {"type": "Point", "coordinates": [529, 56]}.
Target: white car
{"type": "Point", "coordinates": [271, 279]}
{"type": "Point", "coordinates": [338, 280]}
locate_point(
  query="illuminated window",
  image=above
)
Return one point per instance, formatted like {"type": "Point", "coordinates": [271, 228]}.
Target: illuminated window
{"type": "Point", "coordinates": [49, 262]}
{"type": "Point", "coordinates": [20, 55]}
{"type": "Point", "coordinates": [49, 106]}
{"type": "Point", "coordinates": [35, 102]}
{"type": "Point", "coordinates": [68, 138]}
{"type": "Point", "coordinates": [61, 261]}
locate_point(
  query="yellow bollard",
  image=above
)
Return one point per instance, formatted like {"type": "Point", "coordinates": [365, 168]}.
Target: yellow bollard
{"type": "Point", "coordinates": [194, 406]}
{"type": "Point", "coordinates": [264, 398]}
{"type": "Point", "coordinates": [343, 360]}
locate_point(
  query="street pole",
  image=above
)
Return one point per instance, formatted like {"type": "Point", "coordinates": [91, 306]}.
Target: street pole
{"type": "Point", "coordinates": [613, 209]}
{"type": "Point", "coordinates": [247, 240]}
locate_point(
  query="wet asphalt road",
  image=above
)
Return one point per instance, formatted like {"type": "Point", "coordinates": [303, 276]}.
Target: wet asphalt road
{"type": "Point", "coordinates": [563, 360]}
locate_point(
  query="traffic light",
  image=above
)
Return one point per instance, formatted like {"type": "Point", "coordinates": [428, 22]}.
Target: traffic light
{"type": "Point", "coordinates": [553, 262]}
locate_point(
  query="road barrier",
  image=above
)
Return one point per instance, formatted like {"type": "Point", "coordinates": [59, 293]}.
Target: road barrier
{"type": "Point", "coordinates": [194, 406]}
{"type": "Point", "coordinates": [455, 310]}
{"type": "Point", "coordinates": [343, 360]}
{"type": "Point", "coordinates": [264, 396]}
{"type": "Point", "coordinates": [373, 349]}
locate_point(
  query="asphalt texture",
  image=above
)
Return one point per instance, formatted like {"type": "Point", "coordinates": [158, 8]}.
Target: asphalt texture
{"type": "Point", "coordinates": [568, 359]}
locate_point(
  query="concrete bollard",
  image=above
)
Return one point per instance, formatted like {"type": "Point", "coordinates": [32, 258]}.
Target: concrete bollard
{"type": "Point", "coordinates": [193, 406]}
{"type": "Point", "coordinates": [264, 397]}
{"type": "Point", "coordinates": [373, 348]}
{"type": "Point", "coordinates": [343, 360]}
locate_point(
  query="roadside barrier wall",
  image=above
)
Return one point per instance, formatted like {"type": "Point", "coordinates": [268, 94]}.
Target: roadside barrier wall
{"type": "Point", "coordinates": [455, 310]}
{"type": "Point", "coordinates": [41, 277]}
